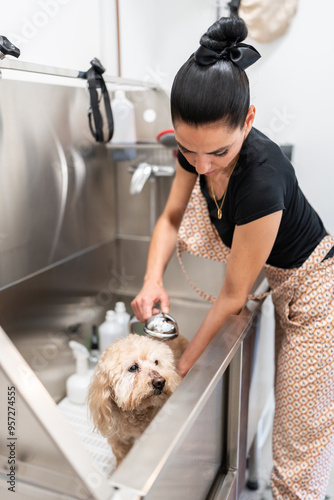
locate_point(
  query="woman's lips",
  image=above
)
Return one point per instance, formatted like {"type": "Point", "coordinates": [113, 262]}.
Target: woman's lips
{"type": "Point", "coordinates": [210, 172]}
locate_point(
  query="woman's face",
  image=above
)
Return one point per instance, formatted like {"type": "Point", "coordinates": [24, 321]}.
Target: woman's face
{"type": "Point", "coordinates": [212, 148]}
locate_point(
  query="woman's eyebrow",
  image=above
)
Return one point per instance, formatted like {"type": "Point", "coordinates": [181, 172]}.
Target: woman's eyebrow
{"type": "Point", "coordinates": [220, 150]}
{"type": "Point", "coordinates": [217, 151]}
{"type": "Point", "coordinates": [182, 147]}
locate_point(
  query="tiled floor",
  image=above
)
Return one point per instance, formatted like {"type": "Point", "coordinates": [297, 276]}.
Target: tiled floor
{"type": "Point", "coordinates": [264, 492]}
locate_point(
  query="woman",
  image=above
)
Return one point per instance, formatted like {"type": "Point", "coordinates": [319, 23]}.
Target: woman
{"type": "Point", "coordinates": [261, 214]}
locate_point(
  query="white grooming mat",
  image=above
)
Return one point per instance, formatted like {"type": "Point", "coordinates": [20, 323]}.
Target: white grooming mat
{"type": "Point", "coordinates": [96, 445]}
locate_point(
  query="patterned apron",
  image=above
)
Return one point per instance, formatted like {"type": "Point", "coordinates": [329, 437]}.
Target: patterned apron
{"type": "Point", "coordinates": [303, 429]}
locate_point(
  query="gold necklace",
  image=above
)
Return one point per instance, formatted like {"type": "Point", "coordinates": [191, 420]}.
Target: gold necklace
{"type": "Point", "coordinates": [219, 208]}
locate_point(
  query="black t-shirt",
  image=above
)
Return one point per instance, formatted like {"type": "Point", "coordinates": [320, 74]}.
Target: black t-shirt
{"type": "Point", "coordinates": [264, 182]}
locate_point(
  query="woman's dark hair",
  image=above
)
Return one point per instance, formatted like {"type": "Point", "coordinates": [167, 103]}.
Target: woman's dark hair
{"type": "Point", "coordinates": [217, 92]}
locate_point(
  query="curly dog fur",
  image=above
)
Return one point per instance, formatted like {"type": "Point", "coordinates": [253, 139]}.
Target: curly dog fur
{"type": "Point", "coordinates": [133, 379]}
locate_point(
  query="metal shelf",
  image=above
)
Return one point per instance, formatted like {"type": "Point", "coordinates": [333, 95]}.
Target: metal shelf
{"type": "Point", "coordinates": [13, 64]}
{"type": "Point", "coordinates": [137, 145]}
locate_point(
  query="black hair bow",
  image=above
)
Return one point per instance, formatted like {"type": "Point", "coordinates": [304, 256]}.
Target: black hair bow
{"type": "Point", "coordinates": [241, 54]}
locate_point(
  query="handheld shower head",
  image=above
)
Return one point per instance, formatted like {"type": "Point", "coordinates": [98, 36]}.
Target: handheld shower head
{"type": "Point", "coordinates": [167, 138]}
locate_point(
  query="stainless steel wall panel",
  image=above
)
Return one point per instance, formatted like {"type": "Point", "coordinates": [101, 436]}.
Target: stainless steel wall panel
{"type": "Point", "coordinates": [40, 314]}
{"type": "Point", "coordinates": [56, 185]}
{"type": "Point", "coordinates": [134, 211]}
{"type": "Point", "coordinates": [163, 187]}
{"type": "Point", "coordinates": [133, 253]}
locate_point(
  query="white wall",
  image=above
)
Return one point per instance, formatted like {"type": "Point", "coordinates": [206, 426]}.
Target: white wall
{"type": "Point", "coordinates": [291, 85]}
{"type": "Point", "coordinates": [64, 33]}
{"type": "Point", "coordinates": [292, 89]}
{"type": "Point", "coordinates": [158, 36]}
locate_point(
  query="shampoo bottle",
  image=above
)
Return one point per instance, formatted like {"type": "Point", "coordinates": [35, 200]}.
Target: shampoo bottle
{"type": "Point", "coordinates": [122, 317]}
{"type": "Point", "coordinates": [124, 126]}
{"type": "Point", "coordinates": [109, 331]}
{"type": "Point", "coordinates": [77, 384]}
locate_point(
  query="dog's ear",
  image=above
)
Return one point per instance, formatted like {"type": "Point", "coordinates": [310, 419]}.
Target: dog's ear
{"type": "Point", "coordinates": [100, 402]}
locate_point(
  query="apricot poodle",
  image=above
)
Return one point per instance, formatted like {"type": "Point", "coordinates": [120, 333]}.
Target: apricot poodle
{"type": "Point", "coordinates": [133, 379]}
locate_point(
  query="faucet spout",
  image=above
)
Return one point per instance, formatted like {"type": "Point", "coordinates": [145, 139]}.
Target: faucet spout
{"type": "Point", "coordinates": [144, 170]}
{"type": "Point", "coordinates": [139, 177]}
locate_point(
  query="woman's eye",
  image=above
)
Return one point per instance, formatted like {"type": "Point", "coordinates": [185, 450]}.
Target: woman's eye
{"type": "Point", "coordinates": [184, 151]}
{"type": "Point", "coordinates": [219, 155]}
{"type": "Point", "coordinates": [133, 368]}
{"type": "Point", "coordinates": [156, 362]}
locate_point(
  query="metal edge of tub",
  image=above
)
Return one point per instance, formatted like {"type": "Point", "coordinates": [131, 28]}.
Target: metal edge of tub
{"type": "Point", "coordinates": [46, 412]}
{"type": "Point", "coordinates": [224, 352]}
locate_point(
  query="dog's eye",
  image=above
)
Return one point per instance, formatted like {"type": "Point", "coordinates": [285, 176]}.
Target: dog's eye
{"type": "Point", "coordinates": [133, 368]}
{"type": "Point", "coordinates": [156, 362]}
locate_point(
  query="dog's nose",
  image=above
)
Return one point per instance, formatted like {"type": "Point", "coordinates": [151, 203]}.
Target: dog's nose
{"type": "Point", "coordinates": [158, 381]}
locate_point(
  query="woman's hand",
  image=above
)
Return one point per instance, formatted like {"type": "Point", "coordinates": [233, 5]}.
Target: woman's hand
{"type": "Point", "coordinates": [151, 293]}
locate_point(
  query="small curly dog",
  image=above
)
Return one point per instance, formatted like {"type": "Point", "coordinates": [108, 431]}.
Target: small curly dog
{"type": "Point", "coordinates": [132, 380]}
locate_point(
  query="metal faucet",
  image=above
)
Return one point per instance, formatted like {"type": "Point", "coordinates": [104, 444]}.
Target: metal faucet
{"type": "Point", "coordinates": [144, 170]}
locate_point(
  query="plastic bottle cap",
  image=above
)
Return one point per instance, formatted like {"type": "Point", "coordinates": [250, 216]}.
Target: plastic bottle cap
{"type": "Point", "coordinates": [120, 307]}
{"type": "Point", "coordinates": [110, 315]}
{"type": "Point", "coordinates": [120, 94]}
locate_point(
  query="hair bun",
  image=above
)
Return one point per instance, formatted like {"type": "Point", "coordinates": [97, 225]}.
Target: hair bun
{"type": "Point", "coordinates": [223, 32]}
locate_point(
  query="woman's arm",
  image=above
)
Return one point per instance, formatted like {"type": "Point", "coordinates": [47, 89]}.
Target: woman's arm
{"type": "Point", "coordinates": [163, 245]}
{"type": "Point", "coordinates": [251, 246]}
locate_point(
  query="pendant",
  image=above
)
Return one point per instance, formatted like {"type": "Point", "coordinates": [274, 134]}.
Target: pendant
{"type": "Point", "coordinates": [219, 213]}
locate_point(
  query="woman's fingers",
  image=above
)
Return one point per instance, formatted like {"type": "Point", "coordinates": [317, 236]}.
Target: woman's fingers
{"type": "Point", "coordinates": [142, 305]}
{"type": "Point", "coordinates": [164, 303]}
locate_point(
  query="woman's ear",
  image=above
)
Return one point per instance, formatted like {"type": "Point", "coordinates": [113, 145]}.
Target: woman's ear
{"type": "Point", "coordinates": [250, 118]}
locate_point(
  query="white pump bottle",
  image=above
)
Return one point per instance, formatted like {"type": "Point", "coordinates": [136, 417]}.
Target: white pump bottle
{"type": "Point", "coordinates": [122, 317]}
{"type": "Point", "coordinates": [124, 126]}
{"type": "Point", "coordinates": [109, 331]}
{"type": "Point", "coordinates": [77, 385]}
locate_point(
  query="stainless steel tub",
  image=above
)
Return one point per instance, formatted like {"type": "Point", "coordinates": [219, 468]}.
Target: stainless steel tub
{"type": "Point", "coordinates": [72, 243]}
{"type": "Point", "coordinates": [194, 448]}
